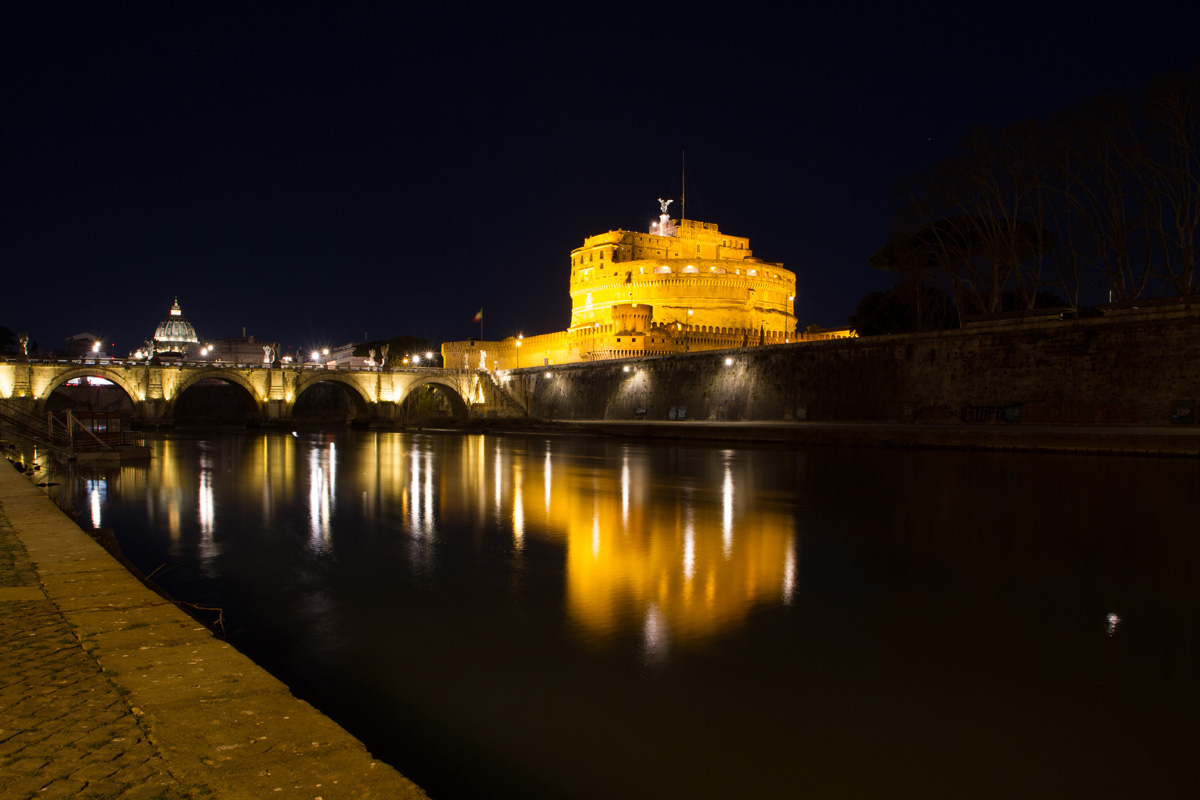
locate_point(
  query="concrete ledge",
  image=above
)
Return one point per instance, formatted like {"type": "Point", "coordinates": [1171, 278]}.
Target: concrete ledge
{"type": "Point", "coordinates": [218, 719]}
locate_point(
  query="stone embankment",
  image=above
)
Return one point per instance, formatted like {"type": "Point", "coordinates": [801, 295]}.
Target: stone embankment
{"type": "Point", "coordinates": [109, 691]}
{"type": "Point", "coordinates": [1134, 367]}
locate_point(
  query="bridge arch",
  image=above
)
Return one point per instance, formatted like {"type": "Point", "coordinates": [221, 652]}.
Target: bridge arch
{"type": "Point", "coordinates": [226, 375]}
{"type": "Point", "coordinates": [229, 376]}
{"type": "Point", "coordinates": [360, 401]}
{"type": "Point", "coordinates": [449, 389]}
{"type": "Point", "coordinates": [115, 376]}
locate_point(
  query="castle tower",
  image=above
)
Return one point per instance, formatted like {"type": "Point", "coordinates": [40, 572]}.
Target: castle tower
{"type": "Point", "coordinates": [688, 272]}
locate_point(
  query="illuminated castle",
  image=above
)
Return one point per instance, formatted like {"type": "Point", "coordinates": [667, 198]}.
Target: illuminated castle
{"type": "Point", "coordinates": [682, 287]}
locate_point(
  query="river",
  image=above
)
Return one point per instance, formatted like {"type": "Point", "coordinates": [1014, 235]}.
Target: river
{"type": "Point", "coordinates": [573, 617]}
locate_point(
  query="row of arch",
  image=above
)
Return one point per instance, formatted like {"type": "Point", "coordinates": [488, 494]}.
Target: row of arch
{"type": "Point", "coordinates": [360, 401]}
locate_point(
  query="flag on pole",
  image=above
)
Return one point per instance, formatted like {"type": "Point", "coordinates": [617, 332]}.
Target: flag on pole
{"type": "Point", "coordinates": [478, 316]}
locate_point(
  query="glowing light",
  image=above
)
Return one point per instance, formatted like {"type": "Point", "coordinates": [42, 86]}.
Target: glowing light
{"type": "Point", "coordinates": [547, 374]}
{"type": "Point", "coordinates": [95, 347]}
{"type": "Point", "coordinates": [316, 356]}
{"type": "Point", "coordinates": [626, 368]}
{"type": "Point", "coordinates": [729, 362]}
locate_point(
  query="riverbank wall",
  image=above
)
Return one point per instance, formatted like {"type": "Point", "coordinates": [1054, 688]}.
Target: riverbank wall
{"type": "Point", "coordinates": [1137, 367]}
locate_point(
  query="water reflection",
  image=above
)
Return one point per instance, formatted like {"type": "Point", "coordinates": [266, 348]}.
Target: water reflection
{"type": "Point", "coordinates": [1003, 613]}
{"type": "Point", "coordinates": [648, 555]}
{"type": "Point", "coordinates": [322, 478]}
{"type": "Point", "coordinates": [96, 488]}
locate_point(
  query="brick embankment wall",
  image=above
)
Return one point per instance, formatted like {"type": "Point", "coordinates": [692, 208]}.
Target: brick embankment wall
{"type": "Point", "coordinates": [1112, 370]}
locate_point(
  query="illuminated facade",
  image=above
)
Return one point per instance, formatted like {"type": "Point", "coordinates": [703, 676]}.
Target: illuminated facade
{"type": "Point", "coordinates": [682, 287]}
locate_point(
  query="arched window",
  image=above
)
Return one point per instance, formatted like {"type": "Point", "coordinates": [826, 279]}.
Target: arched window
{"type": "Point", "coordinates": [664, 270]}
{"type": "Point", "coordinates": [690, 269]}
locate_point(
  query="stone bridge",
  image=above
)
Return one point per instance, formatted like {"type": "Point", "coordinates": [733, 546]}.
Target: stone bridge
{"type": "Point", "coordinates": [154, 388]}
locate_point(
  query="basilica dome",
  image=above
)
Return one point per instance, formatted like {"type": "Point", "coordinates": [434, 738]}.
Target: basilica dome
{"type": "Point", "coordinates": [174, 334]}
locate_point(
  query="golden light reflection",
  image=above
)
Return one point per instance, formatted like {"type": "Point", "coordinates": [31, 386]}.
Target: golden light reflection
{"type": "Point", "coordinates": [625, 488]}
{"type": "Point", "coordinates": [205, 500]}
{"type": "Point", "coordinates": [96, 491]}
{"type": "Point", "coordinates": [518, 516]}
{"type": "Point", "coordinates": [322, 485]}
{"type": "Point", "coordinates": [650, 556]}
{"type": "Point", "coordinates": [727, 512]}
{"type": "Point", "coordinates": [548, 472]}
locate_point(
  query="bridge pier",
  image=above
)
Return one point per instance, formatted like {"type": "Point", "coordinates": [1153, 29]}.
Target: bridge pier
{"type": "Point", "coordinates": [151, 413]}
{"type": "Point", "coordinates": [275, 408]}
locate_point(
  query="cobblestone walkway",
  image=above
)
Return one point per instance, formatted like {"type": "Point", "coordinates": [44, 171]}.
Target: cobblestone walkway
{"type": "Point", "coordinates": [65, 729]}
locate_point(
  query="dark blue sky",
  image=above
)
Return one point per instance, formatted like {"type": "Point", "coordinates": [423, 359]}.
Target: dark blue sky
{"type": "Point", "coordinates": [324, 171]}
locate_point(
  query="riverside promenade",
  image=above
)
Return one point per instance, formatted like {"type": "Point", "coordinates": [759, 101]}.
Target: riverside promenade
{"type": "Point", "coordinates": [109, 691]}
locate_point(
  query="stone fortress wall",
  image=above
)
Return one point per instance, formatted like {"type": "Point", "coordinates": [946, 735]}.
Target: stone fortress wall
{"type": "Point", "coordinates": [1137, 367]}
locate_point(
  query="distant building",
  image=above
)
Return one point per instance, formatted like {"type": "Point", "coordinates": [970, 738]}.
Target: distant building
{"type": "Point", "coordinates": [343, 356]}
{"type": "Point", "coordinates": [85, 345]}
{"type": "Point", "coordinates": [683, 287]}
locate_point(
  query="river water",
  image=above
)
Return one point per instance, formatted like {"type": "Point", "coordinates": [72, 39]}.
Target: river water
{"type": "Point", "coordinates": [542, 616]}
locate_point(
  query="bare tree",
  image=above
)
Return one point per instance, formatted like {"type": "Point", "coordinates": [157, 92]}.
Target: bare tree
{"type": "Point", "coordinates": [1173, 165]}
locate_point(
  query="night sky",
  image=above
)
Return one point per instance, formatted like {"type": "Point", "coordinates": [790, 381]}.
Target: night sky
{"type": "Point", "coordinates": [326, 172]}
